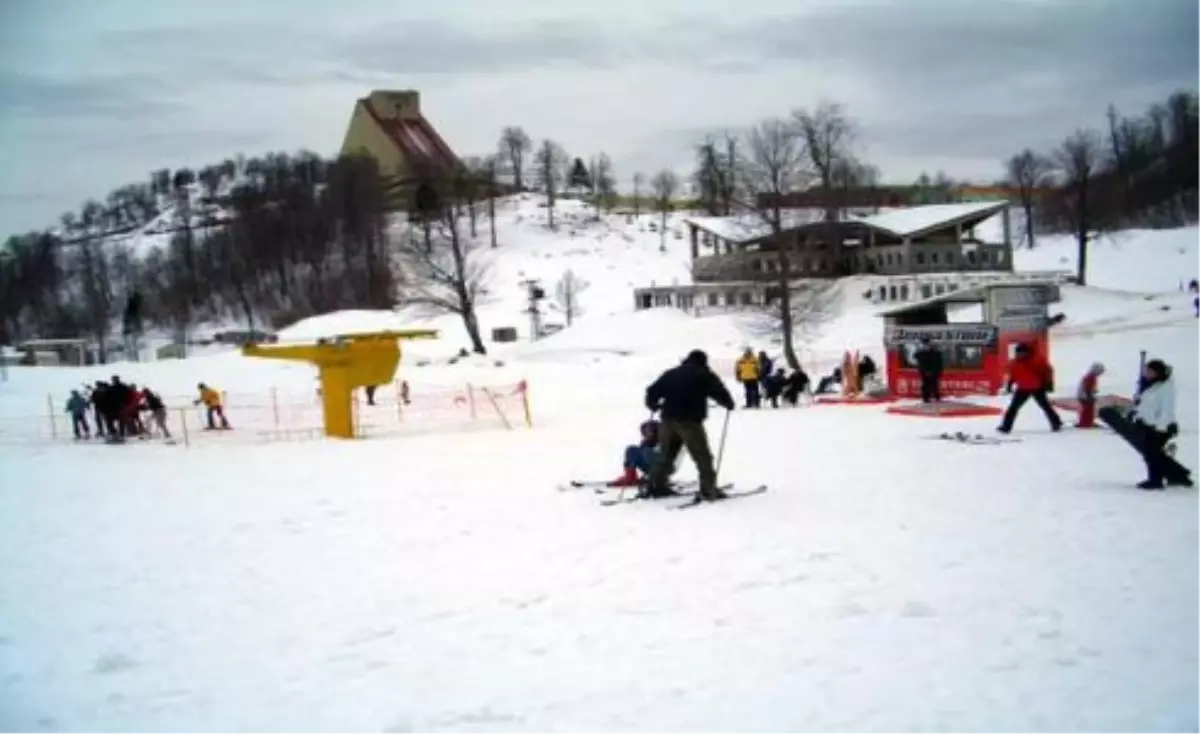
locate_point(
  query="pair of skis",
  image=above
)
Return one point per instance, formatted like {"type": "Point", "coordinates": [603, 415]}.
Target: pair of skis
{"type": "Point", "coordinates": [687, 493]}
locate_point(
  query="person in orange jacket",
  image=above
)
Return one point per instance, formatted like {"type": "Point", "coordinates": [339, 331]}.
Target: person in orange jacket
{"type": "Point", "coordinates": [1029, 376]}
{"type": "Point", "coordinates": [1086, 395]}
{"type": "Point", "coordinates": [212, 401]}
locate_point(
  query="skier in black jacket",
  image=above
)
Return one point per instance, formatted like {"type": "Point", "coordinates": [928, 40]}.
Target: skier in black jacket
{"type": "Point", "coordinates": [682, 394]}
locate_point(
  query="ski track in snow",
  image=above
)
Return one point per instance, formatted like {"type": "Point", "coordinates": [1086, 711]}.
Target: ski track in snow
{"type": "Point", "coordinates": [441, 583]}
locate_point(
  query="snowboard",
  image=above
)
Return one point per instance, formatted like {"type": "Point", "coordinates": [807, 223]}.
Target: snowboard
{"type": "Point", "coordinates": [1118, 420]}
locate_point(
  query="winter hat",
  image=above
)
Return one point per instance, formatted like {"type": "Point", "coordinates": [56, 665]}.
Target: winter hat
{"type": "Point", "coordinates": [1159, 368]}
{"type": "Point", "coordinates": [649, 427]}
{"type": "Point", "coordinates": [1097, 369]}
{"type": "Point", "coordinates": [697, 357]}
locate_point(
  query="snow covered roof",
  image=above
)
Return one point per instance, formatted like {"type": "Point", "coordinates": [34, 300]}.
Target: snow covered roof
{"type": "Point", "coordinates": [920, 219]}
{"type": "Point", "coordinates": [747, 227]}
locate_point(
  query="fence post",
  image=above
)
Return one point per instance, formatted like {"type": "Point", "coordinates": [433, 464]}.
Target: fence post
{"type": "Point", "coordinates": [471, 400]}
{"type": "Point", "coordinates": [496, 405]}
{"type": "Point", "coordinates": [275, 407]}
{"type": "Point", "coordinates": [525, 403]}
{"type": "Point", "coordinates": [183, 426]}
{"type": "Point", "coordinates": [53, 422]}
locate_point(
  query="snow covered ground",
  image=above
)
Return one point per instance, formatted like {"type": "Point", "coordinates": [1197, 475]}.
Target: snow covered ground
{"type": "Point", "coordinates": [440, 582]}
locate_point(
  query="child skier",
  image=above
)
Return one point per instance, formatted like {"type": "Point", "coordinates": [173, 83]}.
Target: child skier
{"type": "Point", "coordinates": [1086, 395]}
{"type": "Point", "coordinates": [77, 406]}
{"type": "Point", "coordinates": [639, 457]}
{"type": "Point", "coordinates": [212, 402]}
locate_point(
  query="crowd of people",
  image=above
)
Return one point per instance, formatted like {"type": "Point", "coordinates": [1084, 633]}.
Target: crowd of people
{"type": "Point", "coordinates": [117, 409]}
{"type": "Point", "coordinates": [681, 394]}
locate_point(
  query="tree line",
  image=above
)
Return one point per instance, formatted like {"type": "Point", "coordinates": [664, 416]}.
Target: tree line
{"type": "Point", "coordinates": [1140, 171]}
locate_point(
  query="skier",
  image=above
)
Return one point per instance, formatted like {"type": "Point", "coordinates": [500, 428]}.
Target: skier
{"type": "Point", "coordinates": [797, 385]}
{"type": "Point", "coordinates": [639, 457]}
{"type": "Point", "coordinates": [158, 411]}
{"type": "Point", "coordinates": [212, 402]}
{"type": "Point", "coordinates": [773, 385]}
{"type": "Point", "coordinates": [116, 397]}
{"type": "Point", "coordinates": [1154, 415]}
{"type": "Point", "coordinates": [746, 371]}
{"type": "Point", "coordinates": [765, 369]}
{"type": "Point", "coordinates": [77, 407]}
{"type": "Point", "coordinates": [929, 367]}
{"type": "Point", "coordinates": [97, 398]}
{"type": "Point", "coordinates": [866, 370]}
{"type": "Point", "coordinates": [681, 394]}
{"type": "Point", "coordinates": [1033, 377]}
{"type": "Point", "coordinates": [1086, 394]}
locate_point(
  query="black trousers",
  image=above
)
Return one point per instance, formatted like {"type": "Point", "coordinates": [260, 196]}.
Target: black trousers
{"type": "Point", "coordinates": [1154, 441]}
{"type": "Point", "coordinates": [1019, 398]}
{"type": "Point", "coordinates": [753, 397]}
{"type": "Point", "coordinates": [79, 424]}
{"type": "Point", "coordinates": [99, 419]}
{"type": "Point", "coordinates": [931, 388]}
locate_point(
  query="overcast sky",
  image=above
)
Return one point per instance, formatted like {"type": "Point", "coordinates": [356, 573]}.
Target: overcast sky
{"type": "Point", "coordinates": [96, 94]}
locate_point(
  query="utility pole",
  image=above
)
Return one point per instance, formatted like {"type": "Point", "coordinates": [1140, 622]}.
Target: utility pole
{"type": "Point", "coordinates": [535, 294]}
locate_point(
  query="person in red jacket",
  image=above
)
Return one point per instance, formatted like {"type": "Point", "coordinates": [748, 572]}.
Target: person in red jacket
{"type": "Point", "coordinates": [1086, 395]}
{"type": "Point", "coordinates": [1029, 376]}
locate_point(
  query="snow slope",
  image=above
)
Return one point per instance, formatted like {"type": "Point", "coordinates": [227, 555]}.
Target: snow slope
{"type": "Point", "coordinates": [439, 582]}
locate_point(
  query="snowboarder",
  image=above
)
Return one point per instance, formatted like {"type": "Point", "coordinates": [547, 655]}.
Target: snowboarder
{"type": "Point", "coordinates": [1033, 377]}
{"type": "Point", "coordinates": [639, 457]}
{"type": "Point", "coordinates": [1154, 414]}
{"type": "Point", "coordinates": [746, 371]}
{"type": "Point", "coordinates": [681, 394]}
{"type": "Point", "coordinates": [212, 402]}
{"type": "Point", "coordinates": [1086, 395]}
{"type": "Point", "coordinates": [77, 407]}
{"type": "Point", "coordinates": [929, 367]}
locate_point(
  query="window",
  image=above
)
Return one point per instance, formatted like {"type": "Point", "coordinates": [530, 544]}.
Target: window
{"type": "Point", "coordinates": [746, 298]}
{"type": "Point", "coordinates": [940, 289]}
{"type": "Point", "coordinates": [999, 257]}
{"type": "Point", "coordinates": [904, 293]}
{"type": "Point", "coordinates": [933, 258]}
{"type": "Point", "coordinates": [883, 292]}
{"type": "Point", "coordinates": [731, 298]}
{"type": "Point", "coordinates": [645, 300]}
{"type": "Point", "coordinates": [714, 299]}
{"type": "Point", "coordinates": [926, 290]}
{"type": "Point", "coordinates": [891, 293]}
{"type": "Point", "coordinates": [921, 258]}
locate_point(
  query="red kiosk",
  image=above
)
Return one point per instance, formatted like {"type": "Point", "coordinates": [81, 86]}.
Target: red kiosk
{"type": "Point", "coordinates": [976, 353]}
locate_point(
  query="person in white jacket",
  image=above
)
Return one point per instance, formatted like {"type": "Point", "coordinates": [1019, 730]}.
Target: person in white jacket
{"type": "Point", "coordinates": [1154, 414]}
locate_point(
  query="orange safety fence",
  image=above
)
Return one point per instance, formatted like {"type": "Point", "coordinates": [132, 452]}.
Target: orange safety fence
{"type": "Point", "coordinates": [279, 415]}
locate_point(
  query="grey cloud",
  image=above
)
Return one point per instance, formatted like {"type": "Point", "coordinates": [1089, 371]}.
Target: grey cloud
{"type": "Point", "coordinates": [116, 97]}
{"type": "Point", "coordinates": [428, 47]}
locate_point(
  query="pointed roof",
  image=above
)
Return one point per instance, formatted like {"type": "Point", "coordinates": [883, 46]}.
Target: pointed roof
{"type": "Point", "coordinates": [398, 115]}
{"type": "Point", "coordinates": [919, 220]}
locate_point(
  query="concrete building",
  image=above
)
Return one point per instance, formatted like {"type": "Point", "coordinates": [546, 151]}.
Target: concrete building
{"type": "Point", "coordinates": [736, 260]}
{"type": "Point", "coordinates": [388, 126]}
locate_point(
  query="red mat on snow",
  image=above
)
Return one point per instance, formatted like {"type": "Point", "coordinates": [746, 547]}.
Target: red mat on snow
{"type": "Point", "coordinates": [945, 409]}
{"type": "Point", "coordinates": [1072, 404]}
{"type": "Point", "coordinates": [849, 400]}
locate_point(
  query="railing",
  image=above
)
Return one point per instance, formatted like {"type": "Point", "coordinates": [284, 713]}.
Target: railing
{"type": "Point", "coordinates": [277, 415]}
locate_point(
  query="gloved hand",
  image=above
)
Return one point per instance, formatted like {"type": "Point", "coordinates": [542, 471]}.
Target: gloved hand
{"type": "Point", "coordinates": [1050, 386]}
{"type": "Point", "coordinates": [1173, 430]}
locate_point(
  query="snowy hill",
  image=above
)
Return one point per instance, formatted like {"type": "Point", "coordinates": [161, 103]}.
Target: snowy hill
{"type": "Point", "coordinates": [438, 581]}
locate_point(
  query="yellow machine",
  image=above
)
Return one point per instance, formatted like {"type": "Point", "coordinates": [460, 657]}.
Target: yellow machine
{"type": "Point", "coordinates": [345, 362]}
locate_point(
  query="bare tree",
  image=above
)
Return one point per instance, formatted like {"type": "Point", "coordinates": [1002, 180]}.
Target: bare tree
{"type": "Point", "coordinates": [566, 294]}
{"type": "Point", "coordinates": [601, 183]}
{"type": "Point", "coordinates": [1028, 172]}
{"type": "Point", "coordinates": [514, 147]}
{"type": "Point", "coordinates": [450, 276]}
{"type": "Point", "coordinates": [551, 162]}
{"type": "Point", "coordinates": [828, 133]}
{"type": "Point", "coordinates": [665, 184]}
{"type": "Point", "coordinates": [775, 164]}
{"type": "Point", "coordinates": [490, 182]}
{"type": "Point", "coordinates": [1078, 159]}
{"type": "Point", "coordinates": [638, 179]}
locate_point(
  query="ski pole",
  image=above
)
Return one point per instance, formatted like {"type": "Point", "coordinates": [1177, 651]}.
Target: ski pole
{"type": "Point", "coordinates": [721, 446]}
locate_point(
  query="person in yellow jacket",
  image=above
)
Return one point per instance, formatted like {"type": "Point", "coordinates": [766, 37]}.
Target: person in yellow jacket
{"type": "Point", "coordinates": [212, 402]}
{"type": "Point", "coordinates": [747, 372]}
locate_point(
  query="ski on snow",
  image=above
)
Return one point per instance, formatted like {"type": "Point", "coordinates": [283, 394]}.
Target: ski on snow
{"type": "Point", "coordinates": [683, 489]}
{"type": "Point", "coordinates": [977, 439]}
{"type": "Point", "coordinates": [601, 486]}
{"type": "Point", "coordinates": [730, 494]}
